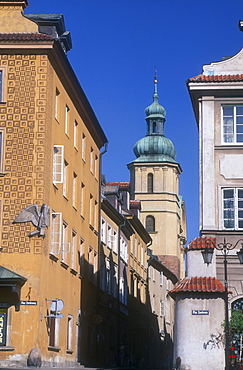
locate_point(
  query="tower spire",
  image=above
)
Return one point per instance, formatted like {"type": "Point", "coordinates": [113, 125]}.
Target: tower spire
{"type": "Point", "coordinates": [156, 97]}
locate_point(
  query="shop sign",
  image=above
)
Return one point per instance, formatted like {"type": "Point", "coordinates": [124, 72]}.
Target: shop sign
{"type": "Point", "coordinates": [200, 312]}
{"type": "Point", "coordinates": [3, 326]}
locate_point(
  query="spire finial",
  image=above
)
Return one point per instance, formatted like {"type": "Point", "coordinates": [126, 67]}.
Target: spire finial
{"type": "Point", "coordinates": [155, 75]}
{"type": "Point", "coordinates": [155, 85]}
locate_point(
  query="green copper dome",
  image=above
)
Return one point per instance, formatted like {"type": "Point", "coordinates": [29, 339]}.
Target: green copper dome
{"type": "Point", "coordinates": [155, 147]}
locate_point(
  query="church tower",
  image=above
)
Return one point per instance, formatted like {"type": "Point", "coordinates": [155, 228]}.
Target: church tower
{"type": "Point", "coordinates": [154, 180]}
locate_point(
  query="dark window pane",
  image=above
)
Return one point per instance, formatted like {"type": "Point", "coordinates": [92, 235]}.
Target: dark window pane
{"type": "Point", "coordinates": [228, 193]}
{"type": "Point", "coordinates": [228, 111]}
{"type": "Point", "coordinates": [150, 223]}
{"type": "Point", "coordinates": [239, 110]}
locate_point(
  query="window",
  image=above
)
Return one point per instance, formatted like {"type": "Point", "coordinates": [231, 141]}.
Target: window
{"type": "Point", "coordinates": [82, 200]}
{"type": "Point", "coordinates": [57, 98]}
{"type": "Point", "coordinates": [73, 252]}
{"type": "Point", "coordinates": [114, 242]}
{"type": "Point", "coordinates": [162, 308]}
{"type": "Point", "coordinates": [83, 147]}
{"type": "Point", "coordinates": [108, 276]}
{"type": "Point", "coordinates": [65, 180]}
{"type": "Point", "coordinates": [232, 124]}
{"type": "Point", "coordinates": [75, 135]}
{"type": "Point", "coordinates": [92, 160]}
{"type": "Point", "coordinates": [56, 233]}
{"type": "Point", "coordinates": [123, 249]}
{"type": "Point", "coordinates": [103, 231]}
{"type": "Point", "coordinates": [150, 224]}
{"type": "Point", "coordinates": [135, 247]}
{"type": "Point", "coordinates": [122, 290]}
{"type": "Point", "coordinates": [3, 326]}
{"type": "Point", "coordinates": [96, 162]}
{"type": "Point", "coordinates": [90, 264]}
{"type": "Point", "coordinates": [74, 195]}
{"type": "Point", "coordinates": [58, 164]}
{"type": "Point", "coordinates": [114, 281]}
{"type": "Point", "coordinates": [95, 214]}
{"type": "Point", "coordinates": [69, 332]}
{"type": "Point", "coordinates": [91, 210]}
{"type": "Point", "coordinates": [109, 237]}
{"type": "Point", "coordinates": [2, 84]}
{"type": "Point", "coordinates": [66, 123]}
{"type": "Point", "coordinates": [95, 277]}
{"type": "Point", "coordinates": [233, 208]}
{"type": "Point", "coordinates": [161, 277]}
{"type": "Point", "coordinates": [54, 329]}
{"type": "Point", "coordinates": [65, 248]}
{"type": "Point", "coordinates": [150, 183]}
{"type": "Point", "coordinates": [82, 256]}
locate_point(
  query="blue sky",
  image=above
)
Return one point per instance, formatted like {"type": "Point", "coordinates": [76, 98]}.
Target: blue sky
{"type": "Point", "coordinates": [117, 43]}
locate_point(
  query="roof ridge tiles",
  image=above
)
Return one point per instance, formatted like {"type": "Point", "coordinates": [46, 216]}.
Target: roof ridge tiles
{"type": "Point", "coordinates": [199, 284]}
{"type": "Point", "coordinates": [217, 78]}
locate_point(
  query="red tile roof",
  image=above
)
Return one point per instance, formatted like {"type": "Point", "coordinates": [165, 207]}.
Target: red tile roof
{"type": "Point", "coordinates": [216, 78]}
{"type": "Point", "coordinates": [25, 37]}
{"type": "Point", "coordinates": [197, 284]}
{"type": "Point", "coordinates": [200, 243]}
{"type": "Point", "coordinates": [122, 184]}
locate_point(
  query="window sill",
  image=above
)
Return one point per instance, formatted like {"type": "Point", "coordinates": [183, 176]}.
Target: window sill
{"type": "Point", "coordinates": [73, 271]}
{"type": "Point", "coordinates": [7, 348]}
{"type": "Point", "coordinates": [53, 257]}
{"type": "Point", "coordinates": [69, 351]}
{"type": "Point", "coordinates": [2, 174]}
{"type": "Point", "coordinates": [65, 197]}
{"type": "Point", "coordinates": [64, 265]}
{"type": "Point", "coordinates": [55, 349]}
{"type": "Point", "coordinates": [55, 185]}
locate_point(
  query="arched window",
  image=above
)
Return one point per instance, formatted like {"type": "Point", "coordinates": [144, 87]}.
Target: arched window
{"type": "Point", "coordinates": [150, 184]}
{"type": "Point", "coordinates": [154, 128]}
{"type": "Point", "coordinates": [150, 224]}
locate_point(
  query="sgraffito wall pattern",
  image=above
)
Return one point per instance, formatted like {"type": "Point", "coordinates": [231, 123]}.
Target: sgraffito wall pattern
{"type": "Point", "coordinates": [23, 119]}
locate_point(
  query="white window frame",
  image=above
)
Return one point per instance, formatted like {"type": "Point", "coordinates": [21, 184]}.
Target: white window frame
{"type": "Point", "coordinates": [74, 190]}
{"type": "Point", "coordinates": [109, 236]}
{"type": "Point", "coordinates": [161, 278]}
{"type": "Point", "coordinates": [65, 178]}
{"type": "Point", "coordinates": [103, 230]}
{"type": "Point", "coordinates": [235, 209]}
{"type": "Point", "coordinates": [58, 164]}
{"type": "Point", "coordinates": [115, 241]}
{"type": "Point", "coordinates": [232, 126]}
{"type": "Point", "coordinates": [56, 233]}
{"type": "Point", "coordinates": [162, 308]}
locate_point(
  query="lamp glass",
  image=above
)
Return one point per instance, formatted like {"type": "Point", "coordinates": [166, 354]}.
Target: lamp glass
{"type": "Point", "coordinates": [240, 255]}
{"type": "Point", "coordinates": [207, 255]}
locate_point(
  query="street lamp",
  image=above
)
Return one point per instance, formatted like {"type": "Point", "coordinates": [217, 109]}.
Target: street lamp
{"type": "Point", "coordinates": [207, 254]}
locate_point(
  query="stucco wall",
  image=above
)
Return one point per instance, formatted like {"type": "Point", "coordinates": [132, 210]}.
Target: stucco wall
{"type": "Point", "coordinates": [198, 338]}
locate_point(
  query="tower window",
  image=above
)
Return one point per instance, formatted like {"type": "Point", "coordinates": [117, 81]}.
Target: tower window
{"type": "Point", "coordinates": [150, 183]}
{"type": "Point", "coordinates": [150, 224]}
{"type": "Point", "coordinates": [154, 128]}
